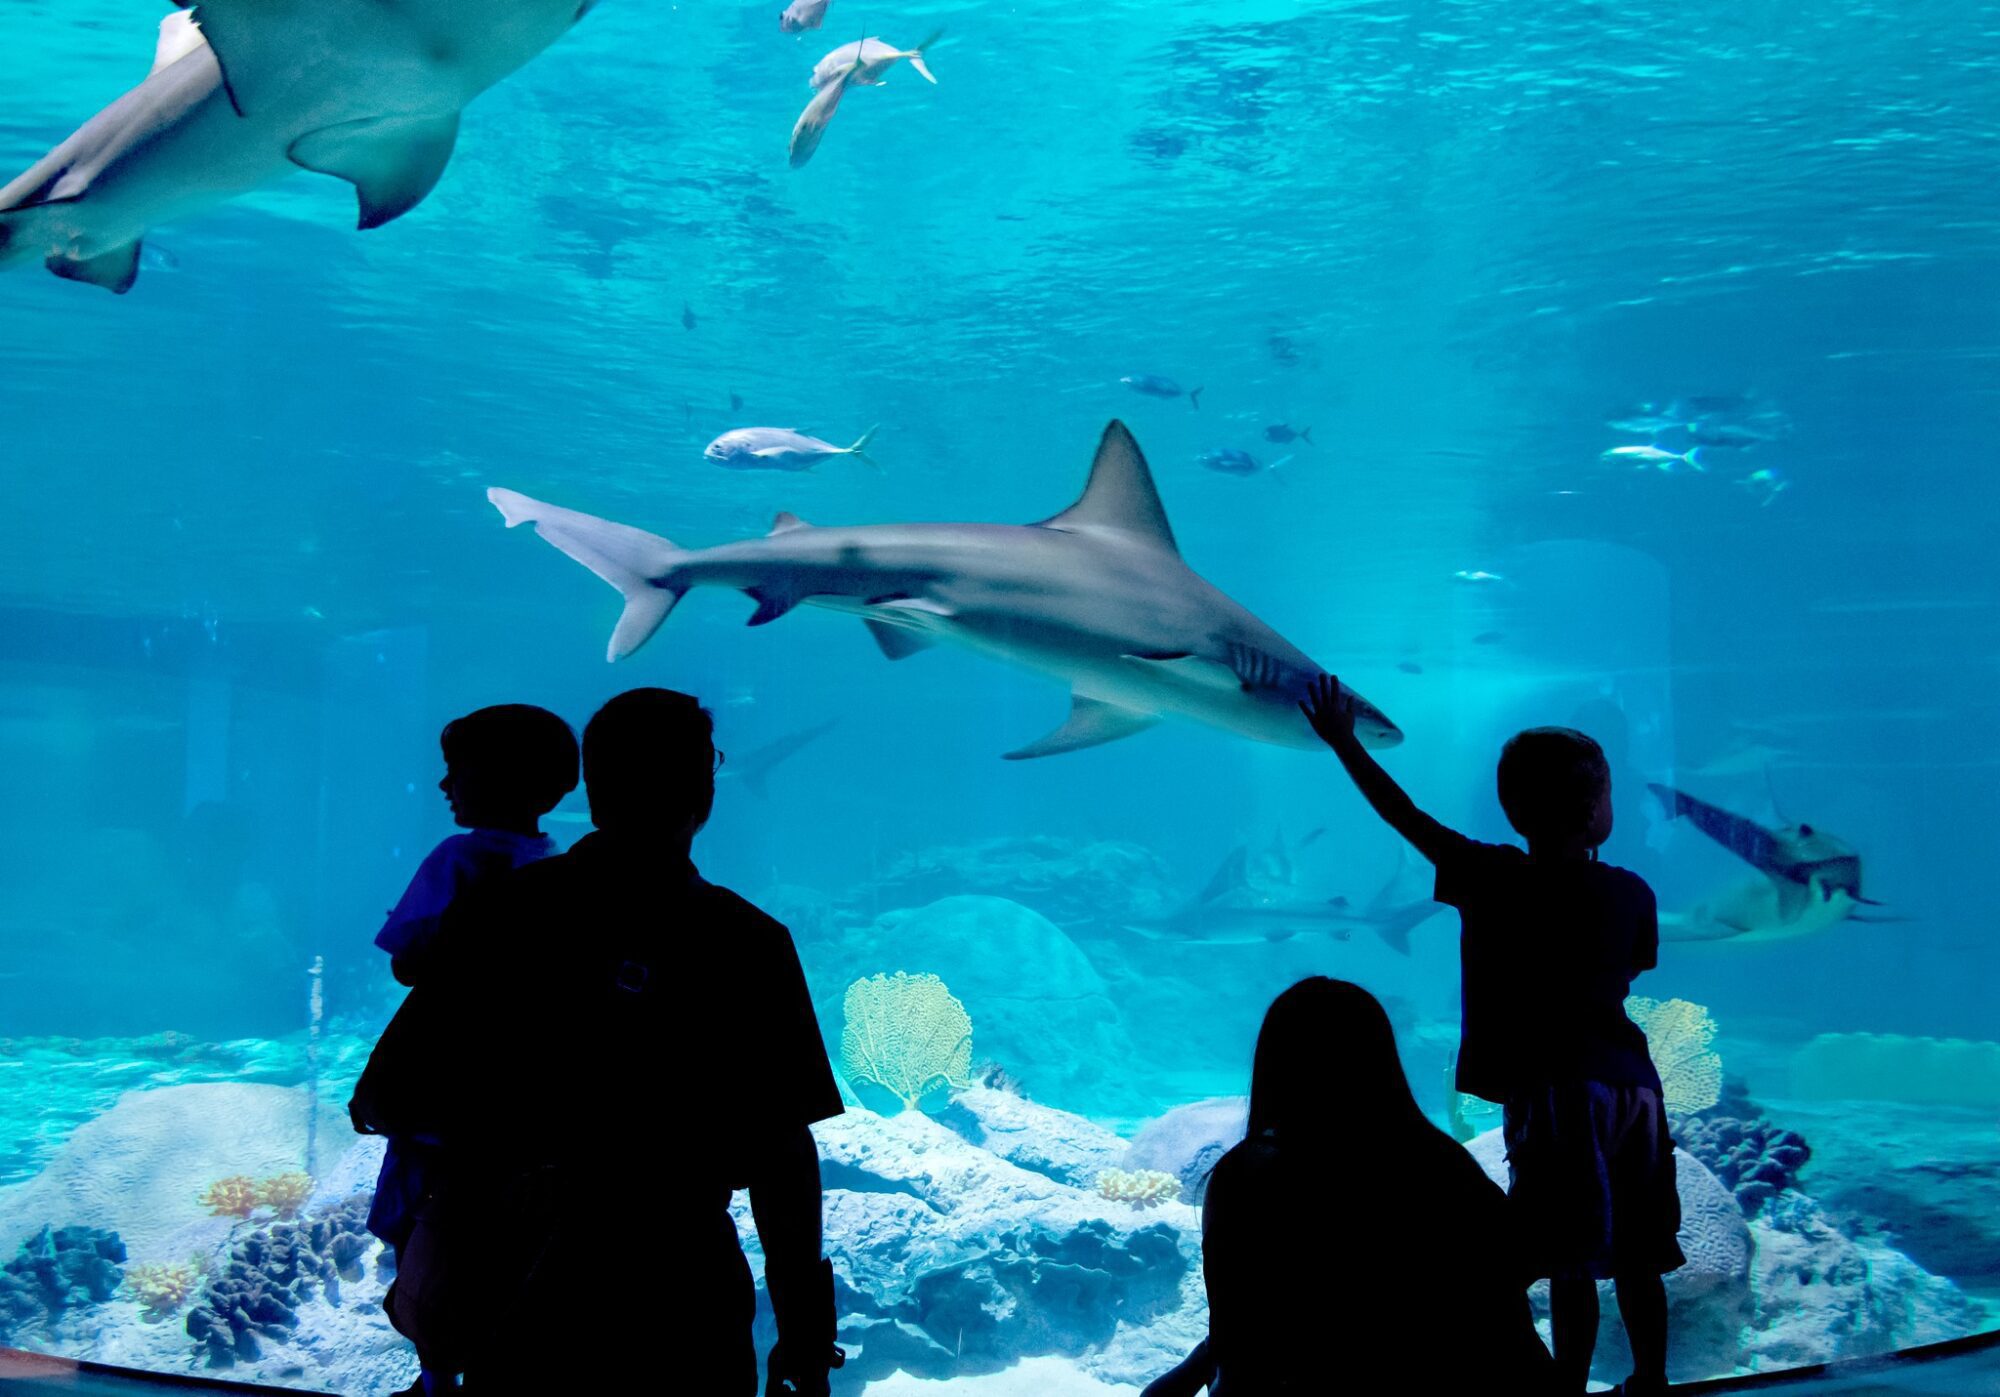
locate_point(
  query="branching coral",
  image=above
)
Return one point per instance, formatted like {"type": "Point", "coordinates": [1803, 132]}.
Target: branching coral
{"type": "Point", "coordinates": [285, 1194]}
{"type": "Point", "coordinates": [160, 1287]}
{"type": "Point", "coordinates": [1142, 1188]}
{"type": "Point", "coordinates": [271, 1271]}
{"type": "Point", "coordinates": [1678, 1033]}
{"type": "Point", "coordinates": [905, 1033]}
{"type": "Point", "coordinates": [232, 1197]}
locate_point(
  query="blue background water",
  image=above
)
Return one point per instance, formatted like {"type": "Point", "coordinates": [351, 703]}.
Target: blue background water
{"type": "Point", "coordinates": [248, 564]}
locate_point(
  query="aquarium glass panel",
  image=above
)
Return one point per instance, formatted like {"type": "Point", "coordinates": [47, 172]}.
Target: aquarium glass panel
{"type": "Point", "coordinates": [1057, 391]}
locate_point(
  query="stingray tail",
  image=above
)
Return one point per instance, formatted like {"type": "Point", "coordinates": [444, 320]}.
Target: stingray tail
{"type": "Point", "coordinates": [640, 565]}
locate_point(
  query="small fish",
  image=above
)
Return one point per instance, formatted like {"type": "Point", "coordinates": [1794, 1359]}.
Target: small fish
{"type": "Point", "coordinates": [1489, 637]}
{"type": "Point", "coordinates": [1477, 577]}
{"type": "Point", "coordinates": [801, 15]}
{"type": "Point", "coordinates": [1409, 667]}
{"type": "Point", "coordinates": [811, 126]}
{"type": "Point", "coordinates": [1283, 350]}
{"type": "Point", "coordinates": [1281, 433]}
{"type": "Point", "coordinates": [779, 449]}
{"type": "Point", "coordinates": [868, 60]}
{"type": "Point", "coordinates": [1230, 461]}
{"type": "Point", "coordinates": [1158, 386]}
{"type": "Point", "coordinates": [687, 316]}
{"type": "Point", "coordinates": [1644, 456]}
{"type": "Point", "coordinates": [1770, 482]}
{"type": "Point", "coordinates": [1738, 434]}
{"type": "Point", "coordinates": [736, 402]}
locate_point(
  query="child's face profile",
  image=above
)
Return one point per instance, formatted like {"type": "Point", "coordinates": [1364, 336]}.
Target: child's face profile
{"type": "Point", "coordinates": [473, 800]}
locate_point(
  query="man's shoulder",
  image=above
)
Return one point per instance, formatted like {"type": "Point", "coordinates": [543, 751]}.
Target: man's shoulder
{"type": "Point", "coordinates": [744, 914]}
{"type": "Point", "coordinates": [1627, 883]}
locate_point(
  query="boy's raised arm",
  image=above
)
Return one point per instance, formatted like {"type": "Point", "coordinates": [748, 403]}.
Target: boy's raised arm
{"type": "Point", "coordinates": [1330, 710]}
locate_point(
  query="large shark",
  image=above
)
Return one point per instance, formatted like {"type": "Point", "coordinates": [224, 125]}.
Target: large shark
{"type": "Point", "coordinates": [1255, 901]}
{"type": "Point", "coordinates": [243, 92]}
{"type": "Point", "coordinates": [1097, 597]}
{"type": "Point", "coordinates": [1812, 880]}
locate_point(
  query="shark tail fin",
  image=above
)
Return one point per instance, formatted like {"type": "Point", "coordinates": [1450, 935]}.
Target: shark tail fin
{"type": "Point", "coordinates": [1306, 436]}
{"type": "Point", "coordinates": [916, 56]}
{"type": "Point", "coordinates": [1194, 399]}
{"type": "Point", "coordinates": [640, 565]}
{"type": "Point", "coordinates": [859, 451]}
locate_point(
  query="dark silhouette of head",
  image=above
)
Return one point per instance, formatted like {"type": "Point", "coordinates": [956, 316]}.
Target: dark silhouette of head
{"type": "Point", "coordinates": [507, 766]}
{"type": "Point", "coordinates": [1555, 786]}
{"type": "Point", "coordinates": [1327, 1074]}
{"type": "Point", "coordinates": [649, 764]}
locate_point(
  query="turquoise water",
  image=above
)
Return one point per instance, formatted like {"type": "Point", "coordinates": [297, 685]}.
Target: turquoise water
{"type": "Point", "coordinates": [249, 571]}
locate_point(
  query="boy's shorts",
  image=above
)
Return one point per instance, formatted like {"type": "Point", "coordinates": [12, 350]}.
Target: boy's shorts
{"type": "Point", "coordinates": [1591, 1176]}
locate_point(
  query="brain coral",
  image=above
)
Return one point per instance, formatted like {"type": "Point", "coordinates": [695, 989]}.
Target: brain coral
{"type": "Point", "coordinates": [905, 1033]}
{"type": "Point", "coordinates": [1142, 1188]}
{"type": "Point", "coordinates": [1678, 1034]}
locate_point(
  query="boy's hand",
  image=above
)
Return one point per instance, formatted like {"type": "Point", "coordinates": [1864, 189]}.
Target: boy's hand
{"type": "Point", "coordinates": [1330, 710]}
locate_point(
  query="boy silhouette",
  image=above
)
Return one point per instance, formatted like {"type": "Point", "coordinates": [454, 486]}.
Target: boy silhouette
{"type": "Point", "coordinates": [1551, 940]}
{"type": "Point", "coordinates": [504, 768]}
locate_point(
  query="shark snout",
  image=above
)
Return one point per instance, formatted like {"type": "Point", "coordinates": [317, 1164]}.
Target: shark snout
{"type": "Point", "coordinates": [1372, 725]}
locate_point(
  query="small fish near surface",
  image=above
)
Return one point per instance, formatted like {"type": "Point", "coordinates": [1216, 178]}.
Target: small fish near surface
{"type": "Point", "coordinates": [1282, 433]}
{"type": "Point", "coordinates": [1658, 457]}
{"type": "Point", "coordinates": [1160, 386]}
{"type": "Point", "coordinates": [1477, 577]}
{"type": "Point", "coordinates": [802, 15]}
{"type": "Point", "coordinates": [780, 449]}
{"type": "Point", "coordinates": [244, 92]}
{"type": "Point", "coordinates": [868, 59]}
{"type": "Point", "coordinates": [1230, 461]}
{"type": "Point", "coordinates": [1097, 596]}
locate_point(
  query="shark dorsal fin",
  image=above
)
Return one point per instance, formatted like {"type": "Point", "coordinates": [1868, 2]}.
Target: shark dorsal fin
{"type": "Point", "coordinates": [1234, 874]}
{"type": "Point", "coordinates": [1120, 494]}
{"type": "Point", "coordinates": [785, 523]}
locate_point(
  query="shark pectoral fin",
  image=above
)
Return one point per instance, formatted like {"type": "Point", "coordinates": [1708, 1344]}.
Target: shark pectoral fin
{"type": "Point", "coordinates": [897, 642]}
{"type": "Point", "coordinates": [392, 165]}
{"type": "Point", "coordinates": [115, 270]}
{"type": "Point", "coordinates": [1091, 723]}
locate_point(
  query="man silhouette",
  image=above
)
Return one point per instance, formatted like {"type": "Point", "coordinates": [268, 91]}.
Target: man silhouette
{"type": "Point", "coordinates": [609, 1046]}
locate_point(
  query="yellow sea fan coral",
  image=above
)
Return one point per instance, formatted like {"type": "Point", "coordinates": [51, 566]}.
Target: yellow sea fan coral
{"type": "Point", "coordinates": [234, 1197]}
{"type": "Point", "coordinates": [905, 1033]}
{"type": "Point", "coordinates": [1678, 1034]}
{"type": "Point", "coordinates": [285, 1194]}
{"type": "Point", "coordinates": [161, 1288]}
{"type": "Point", "coordinates": [1142, 1188]}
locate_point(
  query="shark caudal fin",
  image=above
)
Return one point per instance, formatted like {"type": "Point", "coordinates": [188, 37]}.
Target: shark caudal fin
{"type": "Point", "coordinates": [637, 563]}
{"type": "Point", "coordinates": [1194, 398]}
{"type": "Point", "coordinates": [859, 451]}
{"type": "Point", "coordinates": [916, 56]}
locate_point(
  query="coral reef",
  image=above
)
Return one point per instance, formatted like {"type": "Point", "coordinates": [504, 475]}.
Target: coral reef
{"type": "Point", "coordinates": [1891, 1067]}
{"type": "Point", "coordinates": [1041, 1006]}
{"type": "Point", "coordinates": [1188, 1140]}
{"type": "Point", "coordinates": [271, 1272]}
{"type": "Point", "coordinates": [1042, 1139]}
{"type": "Point", "coordinates": [56, 1269]}
{"type": "Point", "coordinates": [160, 1287]}
{"type": "Point", "coordinates": [1142, 1188]}
{"type": "Point", "coordinates": [285, 1193]}
{"type": "Point", "coordinates": [234, 1196]}
{"type": "Point", "coordinates": [907, 1034]}
{"type": "Point", "coordinates": [1678, 1033]}
{"type": "Point", "coordinates": [1754, 1158]}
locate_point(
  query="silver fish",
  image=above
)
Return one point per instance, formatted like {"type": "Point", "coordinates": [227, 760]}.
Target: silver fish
{"type": "Point", "coordinates": [779, 449]}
